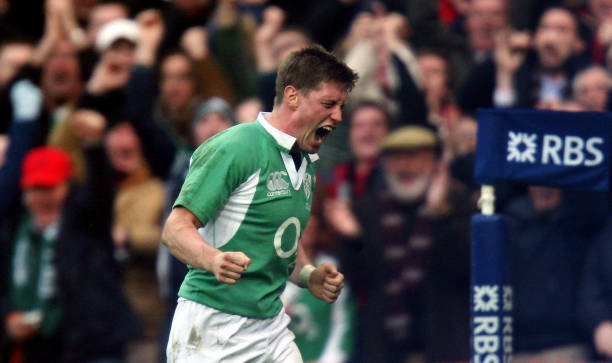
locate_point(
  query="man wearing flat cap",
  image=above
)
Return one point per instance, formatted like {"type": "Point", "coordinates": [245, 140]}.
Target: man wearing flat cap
{"type": "Point", "coordinates": [410, 266]}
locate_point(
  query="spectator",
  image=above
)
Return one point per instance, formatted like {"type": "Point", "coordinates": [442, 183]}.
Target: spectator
{"type": "Point", "coordinates": [61, 81]}
{"type": "Point", "coordinates": [272, 43]}
{"type": "Point", "coordinates": [596, 21]}
{"type": "Point", "coordinates": [474, 40]}
{"type": "Point", "coordinates": [115, 43]}
{"type": "Point", "coordinates": [550, 239]}
{"type": "Point", "coordinates": [377, 49]}
{"type": "Point", "coordinates": [100, 321]}
{"type": "Point", "coordinates": [100, 15]}
{"type": "Point", "coordinates": [248, 110]}
{"type": "Point", "coordinates": [437, 83]}
{"type": "Point", "coordinates": [84, 39]}
{"type": "Point", "coordinates": [20, 336]}
{"type": "Point", "coordinates": [461, 146]}
{"type": "Point", "coordinates": [32, 313]}
{"type": "Point", "coordinates": [389, 72]}
{"type": "Point", "coordinates": [184, 76]}
{"type": "Point", "coordinates": [595, 302]}
{"type": "Point", "coordinates": [137, 216]}
{"type": "Point", "coordinates": [592, 88]}
{"type": "Point", "coordinates": [81, 277]}
{"type": "Point", "coordinates": [178, 96]}
{"type": "Point", "coordinates": [211, 117]}
{"type": "Point", "coordinates": [407, 293]}
{"type": "Point", "coordinates": [230, 43]}
{"type": "Point", "coordinates": [484, 20]}
{"type": "Point", "coordinates": [369, 125]}
{"type": "Point", "coordinates": [210, 79]}
{"type": "Point", "coordinates": [518, 78]}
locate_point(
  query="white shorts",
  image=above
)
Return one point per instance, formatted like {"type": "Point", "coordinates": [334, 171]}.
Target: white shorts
{"type": "Point", "coordinates": [202, 334]}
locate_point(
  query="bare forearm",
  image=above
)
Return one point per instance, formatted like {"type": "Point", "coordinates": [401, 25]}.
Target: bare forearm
{"type": "Point", "coordinates": [183, 240]}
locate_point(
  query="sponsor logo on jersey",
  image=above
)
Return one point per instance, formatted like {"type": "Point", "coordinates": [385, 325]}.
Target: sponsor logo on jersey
{"type": "Point", "coordinates": [276, 184]}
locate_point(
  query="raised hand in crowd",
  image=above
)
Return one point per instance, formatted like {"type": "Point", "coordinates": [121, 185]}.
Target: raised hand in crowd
{"type": "Point", "coordinates": [272, 22]}
{"type": "Point", "coordinates": [65, 13]}
{"type": "Point", "coordinates": [88, 125]}
{"type": "Point", "coordinates": [111, 73]}
{"type": "Point", "coordinates": [226, 13]}
{"type": "Point", "coordinates": [5, 6]}
{"type": "Point", "coordinates": [21, 325]}
{"type": "Point", "coordinates": [52, 33]}
{"type": "Point", "coordinates": [604, 33]}
{"type": "Point", "coordinates": [339, 215]}
{"type": "Point", "coordinates": [462, 6]}
{"type": "Point", "coordinates": [151, 26]}
{"type": "Point", "coordinates": [436, 198]}
{"type": "Point", "coordinates": [363, 27]}
{"type": "Point", "coordinates": [367, 26]}
{"type": "Point", "coordinates": [602, 338]}
{"type": "Point", "coordinates": [510, 50]}
{"type": "Point", "coordinates": [395, 29]}
{"type": "Point", "coordinates": [195, 42]}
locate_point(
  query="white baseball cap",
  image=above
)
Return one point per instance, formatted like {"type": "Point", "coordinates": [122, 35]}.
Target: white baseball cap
{"type": "Point", "coordinates": [117, 29]}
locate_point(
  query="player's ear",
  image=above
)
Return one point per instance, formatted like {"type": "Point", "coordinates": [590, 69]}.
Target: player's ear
{"type": "Point", "coordinates": [291, 97]}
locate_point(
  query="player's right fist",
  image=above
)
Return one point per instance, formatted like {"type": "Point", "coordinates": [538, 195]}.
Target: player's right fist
{"type": "Point", "coordinates": [229, 266]}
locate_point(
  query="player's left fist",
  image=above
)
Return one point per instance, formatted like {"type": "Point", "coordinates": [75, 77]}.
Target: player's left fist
{"type": "Point", "coordinates": [326, 282]}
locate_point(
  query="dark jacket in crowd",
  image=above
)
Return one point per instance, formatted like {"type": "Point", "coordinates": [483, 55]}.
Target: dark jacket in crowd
{"type": "Point", "coordinates": [169, 160]}
{"type": "Point", "coordinates": [410, 273]}
{"type": "Point", "coordinates": [23, 134]}
{"type": "Point", "coordinates": [98, 319]}
{"type": "Point", "coordinates": [550, 250]}
{"type": "Point", "coordinates": [595, 299]}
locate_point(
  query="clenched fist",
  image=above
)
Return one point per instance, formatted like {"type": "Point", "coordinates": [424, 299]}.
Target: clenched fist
{"type": "Point", "coordinates": [229, 266]}
{"type": "Point", "coordinates": [326, 282]}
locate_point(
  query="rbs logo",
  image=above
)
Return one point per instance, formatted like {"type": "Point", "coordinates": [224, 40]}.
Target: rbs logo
{"type": "Point", "coordinates": [555, 150]}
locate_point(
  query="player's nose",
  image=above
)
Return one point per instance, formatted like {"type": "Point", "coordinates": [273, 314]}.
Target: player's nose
{"type": "Point", "coordinates": [336, 116]}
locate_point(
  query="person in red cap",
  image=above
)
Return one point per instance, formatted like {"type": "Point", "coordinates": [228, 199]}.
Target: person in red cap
{"type": "Point", "coordinates": [45, 183]}
{"type": "Point", "coordinates": [33, 322]}
{"type": "Point", "coordinates": [60, 291]}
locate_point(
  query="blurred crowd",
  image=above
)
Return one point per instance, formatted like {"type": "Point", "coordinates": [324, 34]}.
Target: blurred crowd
{"type": "Point", "coordinates": [103, 101]}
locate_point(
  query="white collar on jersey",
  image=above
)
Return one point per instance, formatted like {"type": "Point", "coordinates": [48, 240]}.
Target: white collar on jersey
{"type": "Point", "coordinates": [283, 139]}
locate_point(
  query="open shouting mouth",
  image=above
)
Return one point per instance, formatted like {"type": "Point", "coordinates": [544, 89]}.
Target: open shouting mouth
{"type": "Point", "coordinates": [322, 133]}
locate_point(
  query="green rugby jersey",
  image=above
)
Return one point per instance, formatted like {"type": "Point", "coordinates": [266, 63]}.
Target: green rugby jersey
{"type": "Point", "coordinates": [244, 188]}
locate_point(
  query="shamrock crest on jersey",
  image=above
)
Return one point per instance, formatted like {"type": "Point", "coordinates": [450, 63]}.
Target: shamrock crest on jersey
{"type": "Point", "coordinates": [307, 185]}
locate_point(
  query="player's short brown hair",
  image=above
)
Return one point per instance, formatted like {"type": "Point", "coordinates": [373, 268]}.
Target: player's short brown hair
{"type": "Point", "coordinates": [305, 69]}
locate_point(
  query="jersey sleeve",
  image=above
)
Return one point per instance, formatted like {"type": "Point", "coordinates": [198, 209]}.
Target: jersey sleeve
{"type": "Point", "coordinates": [216, 169]}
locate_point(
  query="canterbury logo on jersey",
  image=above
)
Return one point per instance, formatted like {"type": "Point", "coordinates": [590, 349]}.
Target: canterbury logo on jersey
{"type": "Point", "coordinates": [276, 184]}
